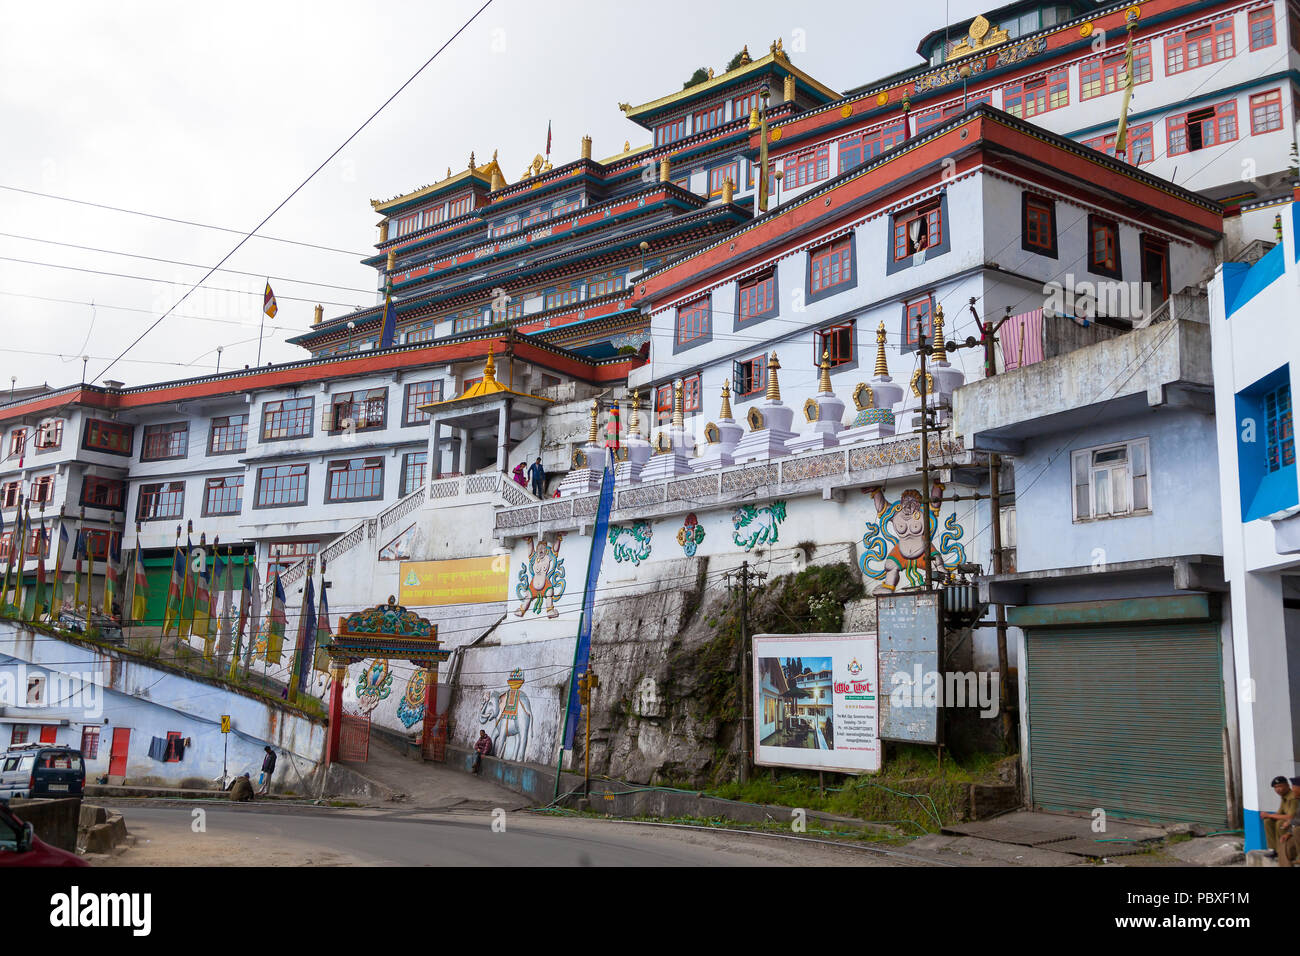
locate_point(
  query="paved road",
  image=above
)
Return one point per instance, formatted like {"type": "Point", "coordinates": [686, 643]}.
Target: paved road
{"type": "Point", "coordinates": [295, 836]}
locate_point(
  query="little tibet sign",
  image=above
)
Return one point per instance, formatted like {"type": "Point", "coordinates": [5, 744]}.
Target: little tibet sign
{"type": "Point", "coordinates": [461, 581]}
{"type": "Point", "coordinates": [816, 702]}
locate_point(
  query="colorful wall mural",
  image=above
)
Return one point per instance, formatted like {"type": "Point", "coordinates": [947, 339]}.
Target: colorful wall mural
{"type": "Point", "coordinates": [754, 526]}
{"type": "Point", "coordinates": [690, 535]}
{"type": "Point", "coordinates": [541, 578]}
{"type": "Point", "coordinates": [374, 684]}
{"type": "Point", "coordinates": [631, 544]}
{"type": "Point", "coordinates": [894, 544]}
{"type": "Point", "coordinates": [507, 716]}
{"type": "Point", "coordinates": [410, 709]}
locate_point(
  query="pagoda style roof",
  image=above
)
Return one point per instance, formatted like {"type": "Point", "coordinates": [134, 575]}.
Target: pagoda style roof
{"type": "Point", "coordinates": [488, 387]}
{"type": "Point", "coordinates": [776, 62]}
{"type": "Point", "coordinates": [483, 174]}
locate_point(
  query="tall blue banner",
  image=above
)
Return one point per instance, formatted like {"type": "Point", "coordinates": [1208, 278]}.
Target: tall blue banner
{"type": "Point", "coordinates": [582, 653]}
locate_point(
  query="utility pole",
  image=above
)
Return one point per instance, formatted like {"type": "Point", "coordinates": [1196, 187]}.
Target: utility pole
{"type": "Point", "coordinates": [995, 505]}
{"type": "Point", "coordinates": [747, 579]}
{"type": "Point", "coordinates": [587, 682]}
{"type": "Point", "coordinates": [923, 351]}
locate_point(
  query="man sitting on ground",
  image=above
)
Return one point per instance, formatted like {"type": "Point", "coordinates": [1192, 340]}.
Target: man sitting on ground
{"type": "Point", "coordinates": [482, 748]}
{"type": "Point", "coordinates": [242, 789]}
{"type": "Point", "coordinates": [1277, 826]}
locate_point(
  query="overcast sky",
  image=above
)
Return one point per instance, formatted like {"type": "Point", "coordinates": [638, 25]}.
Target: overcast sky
{"type": "Point", "coordinates": [214, 113]}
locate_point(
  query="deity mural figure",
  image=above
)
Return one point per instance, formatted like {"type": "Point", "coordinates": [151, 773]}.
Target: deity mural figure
{"type": "Point", "coordinates": [897, 539]}
{"type": "Point", "coordinates": [541, 578]}
{"type": "Point", "coordinates": [511, 715]}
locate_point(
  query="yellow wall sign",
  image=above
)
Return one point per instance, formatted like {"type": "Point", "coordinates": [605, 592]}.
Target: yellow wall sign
{"type": "Point", "coordinates": [225, 723]}
{"type": "Point", "coordinates": [461, 581]}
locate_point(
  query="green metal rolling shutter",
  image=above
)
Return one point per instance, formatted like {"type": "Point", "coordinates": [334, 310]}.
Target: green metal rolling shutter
{"type": "Point", "coordinates": [1128, 718]}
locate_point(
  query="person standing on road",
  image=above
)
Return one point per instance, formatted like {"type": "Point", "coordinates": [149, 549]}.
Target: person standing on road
{"type": "Point", "coordinates": [538, 476]}
{"type": "Point", "coordinates": [268, 769]}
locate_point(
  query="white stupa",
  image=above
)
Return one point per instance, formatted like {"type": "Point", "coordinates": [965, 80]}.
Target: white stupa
{"type": "Point", "coordinates": [824, 414]}
{"type": "Point", "coordinates": [721, 436]}
{"type": "Point", "coordinates": [874, 401]}
{"type": "Point", "coordinates": [588, 462]}
{"type": "Point", "coordinates": [769, 423]}
{"type": "Point", "coordinates": [672, 451]}
{"type": "Point", "coordinates": [942, 380]}
{"type": "Point", "coordinates": [636, 451]}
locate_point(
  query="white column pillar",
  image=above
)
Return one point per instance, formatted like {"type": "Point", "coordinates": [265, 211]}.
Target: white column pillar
{"type": "Point", "coordinates": [435, 450]}
{"type": "Point", "coordinates": [464, 451]}
{"type": "Point", "coordinates": [503, 437]}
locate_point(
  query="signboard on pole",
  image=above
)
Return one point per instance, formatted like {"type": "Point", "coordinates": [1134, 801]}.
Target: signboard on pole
{"type": "Point", "coordinates": [911, 645]}
{"type": "Point", "coordinates": [816, 702]}
{"type": "Point", "coordinates": [225, 723]}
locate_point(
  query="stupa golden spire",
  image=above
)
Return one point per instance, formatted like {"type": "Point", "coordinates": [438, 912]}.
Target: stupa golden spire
{"type": "Point", "coordinates": [824, 383]}
{"type": "Point", "coordinates": [882, 367]}
{"type": "Point", "coordinates": [939, 354]}
{"type": "Point", "coordinates": [634, 420]}
{"type": "Point", "coordinates": [595, 428]}
{"type": "Point", "coordinates": [773, 386]}
{"type": "Point", "coordinates": [725, 411]}
{"type": "Point", "coordinates": [679, 415]}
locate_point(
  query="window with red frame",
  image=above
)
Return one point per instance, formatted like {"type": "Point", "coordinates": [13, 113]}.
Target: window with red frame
{"type": "Point", "coordinates": [693, 321]}
{"type": "Point", "coordinates": [757, 296]}
{"type": "Point", "coordinates": [1198, 129]}
{"type": "Point", "coordinates": [692, 399]}
{"type": "Point", "coordinates": [161, 501]}
{"type": "Point", "coordinates": [38, 542]}
{"type": "Point", "coordinates": [49, 434]}
{"type": "Point", "coordinates": [228, 434]}
{"type": "Point", "coordinates": [90, 742]}
{"type": "Point", "coordinates": [932, 118]}
{"type": "Point", "coordinates": [174, 747]}
{"type": "Point", "coordinates": [19, 735]}
{"type": "Point", "coordinates": [830, 265]}
{"type": "Point", "coordinates": [918, 310]}
{"type": "Point", "coordinates": [108, 436]}
{"type": "Point", "coordinates": [1293, 24]}
{"type": "Point", "coordinates": [1199, 47]}
{"type": "Point", "coordinates": [223, 496]}
{"type": "Point", "coordinates": [413, 466]}
{"type": "Point", "coordinates": [1037, 95]}
{"type": "Point", "coordinates": [664, 399]}
{"type": "Point", "coordinates": [287, 418]}
{"type": "Point", "coordinates": [17, 440]}
{"type": "Point", "coordinates": [99, 542]}
{"type": "Point", "coordinates": [165, 441]}
{"type": "Point", "coordinates": [837, 342]}
{"type": "Point", "coordinates": [1040, 224]}
{"type": "Point", "coordinates": [720, 175]}
{"type": "Point", "coordinates": [1105, 74]}
{"type": "Point", "coordinates": [917, 230]}
{"type": "Point", "coordinates": [670, 132]}
{"type": "Point", "coordinates": [855, 150]}
{"type": "Point", "coordinates": [753, 175]}
{"type": "Point", "coordinates": [462, 206]}
{"type": "Point", "coordinates": [750, 377]}
{"type": "Point", "coordinates": [1263, 31]}
{"type": "Point", "coordinates": [355, 479]}
{"type": "Point", "coordinates": [1265, 112]}
{"type": "Point", "coordinates": [742, 106]}
{"type": "Point", "coordinates": [710, 118]}
{"type": "Point", "coordinates": [1103, 246]}
{"type": "Point", "coordinates": [43, 489]}
{"type": "Point", "coordinates": [100, 492]}
{"type": "Point", "coordinates": [808, 167]}
{"type": "Point", "coordinates": [285, 554]}
{"type": "Point", "coordinates": [1141, 144]}
{"type": "Point", "coordinates": [9, 493]}
{"type": "Point", "coordinates": [417, 394]}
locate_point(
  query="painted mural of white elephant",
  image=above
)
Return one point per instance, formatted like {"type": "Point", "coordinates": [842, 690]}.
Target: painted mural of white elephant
{"type": "Point", "coordinates": [510, 714]}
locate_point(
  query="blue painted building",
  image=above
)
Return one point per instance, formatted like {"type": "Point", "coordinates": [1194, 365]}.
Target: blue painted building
{"type": "Point", "coordinates": [1256, 355]}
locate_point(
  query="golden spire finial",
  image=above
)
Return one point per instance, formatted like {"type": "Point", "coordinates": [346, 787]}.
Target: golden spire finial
{"type": "Point", "coordinates": [448, 172]}
{"type": "Point", "coordinates": [490, 369]}
{"type": "Point", "coordinates": [634, 420]}
{"type": "Point", "coordinates": [744, 55]}
{"type": "Point", "coordinates": [627, 146]}
{"type": "Point", "coordinates": [824, 383]}
{"type": "Point", "coordinates": [471, 159]}
{"type": "Point", "coordinates": [679, 415]}
{"type": "Point", "coordinates": [882, 367]}
{"type": "Point", "coordinates": [725, 412]}
{"type": "Point", "coordinates": [592, 431]}
{"type": "Point", "coordinates": [773, 386]}
{"type": "Point", "coordinates": [936, 333]}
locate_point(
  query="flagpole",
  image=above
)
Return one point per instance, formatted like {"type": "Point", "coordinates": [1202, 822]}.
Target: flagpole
{"type": "Point", "coordinates": [171, 580]}
{"type": "Point", "coordinates": [56, 591]}
{"type": "Point", "coordinates": [90, 581]}
{"type": "Point", "coordinates": [182, 630]}
{"type": "Point", "coordinates": [77, 550]}
{"type": "Point", "coordinates": [9, 558]}
{"type": "Point", "coordinates": [39, 586]}
{"type": "Point", "coordinates": [24, 529]}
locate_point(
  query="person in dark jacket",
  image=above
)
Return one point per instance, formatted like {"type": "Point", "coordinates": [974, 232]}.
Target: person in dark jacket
{"type": "Point", "coordinates": [242, 789]}
{"type": "Point", "coordinates": [268, 769]}
{"type": "Point", "coordinates": [537, 474]}
{"type": "Point", "coordinates": [482, 748]}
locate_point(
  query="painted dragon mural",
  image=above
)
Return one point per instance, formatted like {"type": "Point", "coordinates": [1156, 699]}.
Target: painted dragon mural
{"type": "Point", "coordinates": [631, 544]}
{"type": "Point", "coordinates": [894, 544]}
{"type": "Point", "coordinates": [754, 526]}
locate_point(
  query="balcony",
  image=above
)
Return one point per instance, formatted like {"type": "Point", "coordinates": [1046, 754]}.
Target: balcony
{"type": "Point", "coordinates": [1165, 364]}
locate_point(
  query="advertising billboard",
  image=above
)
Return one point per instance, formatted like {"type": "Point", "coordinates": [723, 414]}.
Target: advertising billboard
{"type": "Point", "coordinates": [911, 647]}
{"type": "Point", "coordinates": [460, 581]}
{"type": "Point", "coordinates": [816, 702]}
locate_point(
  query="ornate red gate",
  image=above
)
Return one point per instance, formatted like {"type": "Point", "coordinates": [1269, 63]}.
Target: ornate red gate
{"type": "Point", "coordinates": [354, 738]}
{"type": "Point", "coordinates": [434, 744]}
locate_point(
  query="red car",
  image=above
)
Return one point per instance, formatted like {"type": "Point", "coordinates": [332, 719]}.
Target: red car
{"type": "Point", "coordinates": [20, 846]}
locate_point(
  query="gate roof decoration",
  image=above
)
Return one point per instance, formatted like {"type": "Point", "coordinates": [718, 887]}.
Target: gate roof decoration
{"type": "Point", "coordinates": [386, 631]}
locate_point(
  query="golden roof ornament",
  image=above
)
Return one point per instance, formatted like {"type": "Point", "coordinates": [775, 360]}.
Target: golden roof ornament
{"type": "Point", "coordinates": [490, 369]}
{"type": "Point", "coordinates": [471, 159]}
{"type": "Point", "coordinates": [824, 383]}
{"type": "Point", "coordinates": [773, 386]}
{"type": "Point", "coordinates": [624, 106]}
{"type": "Point", "coordinates": [448, 176]}
{"type": "Point", "coordinates": [627, 146]}
{"type": "Point", "coordinates": [679, 415]}
{"type": "Point", "coordinates": [710, 72]}
{"type": "Point", "coordinates": [595, 428]}
{"type": "Point", "coordinates": [725, 412]}
{"type": "Point", "coordinates": [634, 420]}
{"type": "Point", "coordinates": [980, 35]}
{"type": "Point", "coordinates": [753, 118]}
{"type": "Point", "coordinates": [882, 367]}
{"type": "Point", "coordinates": [936, 333]}
{"type": "Point", "coordinates": [744, 55]}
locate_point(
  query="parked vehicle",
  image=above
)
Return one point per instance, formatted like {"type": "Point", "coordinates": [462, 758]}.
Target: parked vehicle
{"type": "Point", "coordinates": [20, 846]}
{"type": "Point", "coordinates": [42, 770]}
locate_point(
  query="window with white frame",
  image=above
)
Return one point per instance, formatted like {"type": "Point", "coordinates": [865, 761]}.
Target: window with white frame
{"type": "Point", "coordinates": [1112, 481]}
